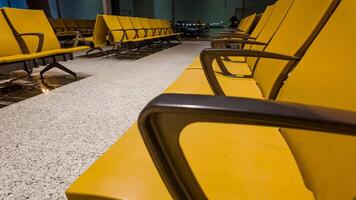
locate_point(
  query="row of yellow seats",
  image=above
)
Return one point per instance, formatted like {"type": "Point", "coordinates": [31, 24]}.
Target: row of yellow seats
{"type": "Point", "coordinates": [203, 139]}
{"type": "Point", "coordinates": [246, 23]}
{"type": "Point", "coordinates": [245, 26]}
{"type": "Point", "coordinates": [118, 30]}
{"type": "Point", "coordinates": [68, 27]}
{"type": "Point", "coordinates": [28, 40]}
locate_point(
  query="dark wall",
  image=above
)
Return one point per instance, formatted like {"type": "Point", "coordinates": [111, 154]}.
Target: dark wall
{"type": "Point", "coordinates": [40, 5]}
{"type": "Point", "coordinates": [81, 9]}
{"type": "Point", "coordinates": [144, 8]}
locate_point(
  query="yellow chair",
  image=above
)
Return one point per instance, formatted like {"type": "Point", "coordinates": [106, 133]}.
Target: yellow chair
{"type": "Point", "coordinates": [167, 29]}
{"type": "Point", "coordinates": [154, 27]}
{"type": "Point", "coordinates": [269, 73]}
{"type": "Point", "coordinates": [83, 27]}
{"type": "Point", "coordinates": [116, 34]}
{"type": "Point", "coordinates": [323, 105]}
{"type": "Point", "coordinates": [245, 24]}
{"type": "Point", "coordinates": [242, 34]}
{"type": "Point", "coordinates": [141, 32]}
{"type": "Point", "coordinates": [60, 28]}
{"type": "Point", "coordinates": [11, 56]}
{"type": "Point", "coordinates": [100, 35]}
{"type": "Point", "coordinates": [228, 160]}
{"type": "Point", "coordinates": [257, 29]}
{"type": "Point", "coordinates": [253, 36]}
{"type": "Point", "coordinates": [234, 63]}
{"type": "Point", "coordinates": [245, 66]}
{"type": "Point", "coordinates": [130, 31]}
{"type": "Point", "coordinates": [34, 21]}
{"type": "Point", "coordinates": [147, 27]}
{"type": "Point", "coordinates": [163, 26]}
{"type": "Point", "coordinates": [249, 23]}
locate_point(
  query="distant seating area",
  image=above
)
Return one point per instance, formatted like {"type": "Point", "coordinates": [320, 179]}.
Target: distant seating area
{"type": "Point", "coordinates": [67, 28]}
{"type": "Point", "coordinates": [33, 40]}
{"type": "Point", "coordinates": [128, 33]}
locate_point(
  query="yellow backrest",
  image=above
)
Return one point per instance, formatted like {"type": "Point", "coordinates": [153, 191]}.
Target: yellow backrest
{"type": "Point", "coordinates": [127, 25]}
{"type": "Point", "coordinates": [298, 26]}
{"type": "Point", "coordinates": [9, 45]}
{"type": "Point", "coordinates": [168, 26]}
{"type": "Point", "coordinates": [32, 21]}
{"type": "Point", "coordinates": [153, 26]}
{"type": "Point", "coordinates": [147, 26]}
{"type": "Point", "coordinates": [249, 22]}
{"type": "Point", "coordinates": [261, 23]}
{"type": "Point", "coordinates": [138, 26]}
{"type": "Point", "coordinates": [114, 26]}
{"type": "Point", "coordinates": [277, 16]}
{"type": "Point", "coordinates": [242, 23]}
{"type": "Point", "coordinates": [326, 76]}
{"type": "Point", "coordinates": [100, 32]}
{"type": "Point", "coordinates": [165, 23]}
{"type": "Point", "coordinates": [159, 26]}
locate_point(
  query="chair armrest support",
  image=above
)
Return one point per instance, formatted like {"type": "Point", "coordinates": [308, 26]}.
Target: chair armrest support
{"type": "Point", "coordinates": [207, 56]}
{"type": "Point", "coordinates": [234, 35]}
{"type": "Point", "coordinates": [222, 43]}
{"type": "Point", "coordinates": [164, 118]}
{"type": "Point", "coordinates": [40, 39]}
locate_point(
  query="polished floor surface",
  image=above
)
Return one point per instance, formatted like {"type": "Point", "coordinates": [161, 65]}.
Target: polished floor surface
{"type": "Point", "coordinates": [25, 88]}
{"type": "Point", "coordinates": [48, 140]}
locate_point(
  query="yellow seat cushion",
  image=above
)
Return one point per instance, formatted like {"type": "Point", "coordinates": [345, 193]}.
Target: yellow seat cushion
{"type": "Point", "coordinates": [193, 81]}
{"type": "Point", "coordinates": [23, 57]}
{"type": "Point", "coordinates": [239, 68]}
{"type": "Point", "coordinates": [256, 164]}
{"type": "Point", "coordinates": [125, 171]}
{"type": "Point", "coordinates": [73, 49]}
{"type": "Point", "coordinates": [242, 162]}
{"type": "Point", "coordinates": [19, 57]}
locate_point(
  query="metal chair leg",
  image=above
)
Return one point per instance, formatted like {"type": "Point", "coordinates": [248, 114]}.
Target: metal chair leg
{"type": "Point", "coordinates": [59, 66]}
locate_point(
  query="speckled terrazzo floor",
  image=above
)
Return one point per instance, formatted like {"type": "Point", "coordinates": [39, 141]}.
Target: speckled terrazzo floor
{"type": "Point", "coordinates": [49, 140]}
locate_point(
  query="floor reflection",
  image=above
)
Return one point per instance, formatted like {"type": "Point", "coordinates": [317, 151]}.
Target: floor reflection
{"type": "Point", "coordinates": [25, 88]}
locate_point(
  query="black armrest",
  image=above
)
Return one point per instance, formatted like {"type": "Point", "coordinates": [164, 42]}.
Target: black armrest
{"type": "Point", "coordinates": [207, 57]}
{"type": "Point", "coordinates": [222, 43]}
{"type": "Point", "coordinates": [163, 119]}
{"type": "Point", "coordinates": [40, 39]}
{"type": "Point", "coordinates": [235, 35]}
